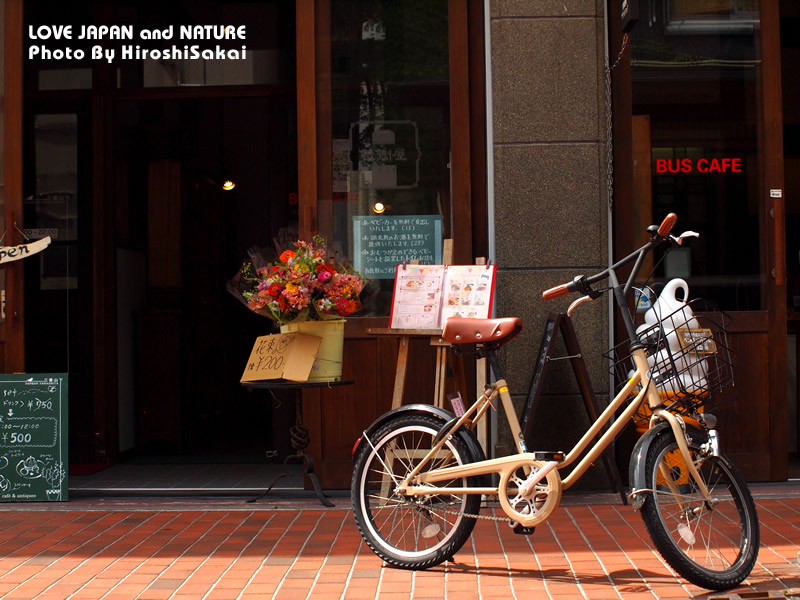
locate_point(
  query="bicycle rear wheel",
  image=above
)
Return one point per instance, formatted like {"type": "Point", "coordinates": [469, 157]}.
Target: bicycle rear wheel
{"type": "Point", "coordinates": [412, 532]}
{"type": "Point", "coordinates": [711, 544]}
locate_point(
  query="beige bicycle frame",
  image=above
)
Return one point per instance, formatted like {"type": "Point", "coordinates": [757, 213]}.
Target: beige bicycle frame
{"type": "Point", "coordinates": [414, 483]}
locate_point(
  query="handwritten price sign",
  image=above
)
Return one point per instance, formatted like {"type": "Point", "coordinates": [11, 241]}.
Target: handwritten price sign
{"type": "Point", "coordinates": [285, 355]}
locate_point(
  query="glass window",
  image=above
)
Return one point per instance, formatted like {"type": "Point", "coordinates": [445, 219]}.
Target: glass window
{"type": "Point", "coordinates": [183, 43]}
{"type": "Point", "coordinates": [698, 87]}
{"type": "Point", "coordinates": [53, 209]}
{"type": "Point", "coordinates": [390, 128]}
{"type": "Point", "coordinates": [55, 58]}
{"type": "Point", "coordinates": [206, 43]}
{"type": "Point", "coordinates": [711, 16]}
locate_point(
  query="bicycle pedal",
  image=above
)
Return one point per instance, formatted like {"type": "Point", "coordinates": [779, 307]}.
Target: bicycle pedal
{"type": "Point", "coordinates": [520, 530]}
{"type": "Point", "coordinates": [549, 455]}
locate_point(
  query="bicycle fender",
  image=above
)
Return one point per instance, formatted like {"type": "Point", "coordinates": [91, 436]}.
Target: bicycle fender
{"type": "Point", "coordinates": [467, 435]}
{"type": "Point", "coordinates": [636, 468]}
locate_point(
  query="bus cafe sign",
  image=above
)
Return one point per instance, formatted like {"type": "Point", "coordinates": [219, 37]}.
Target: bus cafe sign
{"type": "Point", "coordinates": [12, 253]}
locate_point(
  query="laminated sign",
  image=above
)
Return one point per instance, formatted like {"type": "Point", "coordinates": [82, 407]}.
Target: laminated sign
{"type": "Point", "coordinates": [282, 356]}
{"type": "Point", "coordinates": [425, 296]}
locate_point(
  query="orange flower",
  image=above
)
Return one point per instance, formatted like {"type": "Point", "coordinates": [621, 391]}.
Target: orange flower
{"type": "Point", "coordinates": [286, 256]}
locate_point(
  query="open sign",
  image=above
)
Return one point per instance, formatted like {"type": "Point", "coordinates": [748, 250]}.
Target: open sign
{"type": "Point", "coordinates": [12, 253]}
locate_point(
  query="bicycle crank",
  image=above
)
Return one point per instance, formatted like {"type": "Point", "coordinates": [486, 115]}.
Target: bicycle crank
{"type": "Point", "coordinates": [529, 491]}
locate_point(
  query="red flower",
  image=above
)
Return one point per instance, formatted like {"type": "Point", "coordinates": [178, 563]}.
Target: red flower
{"type": "Point", "coordinates": [345, 307]}
{"type": "Point", "coordinates": [274, 289]}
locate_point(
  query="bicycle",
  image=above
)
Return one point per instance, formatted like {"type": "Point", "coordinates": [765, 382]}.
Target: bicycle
{"type": "Point", "coordinates": [420, 472]}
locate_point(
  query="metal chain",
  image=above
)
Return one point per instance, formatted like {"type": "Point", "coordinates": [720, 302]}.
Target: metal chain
{"type": "Point", "coordinates": [609, 124]}
{"type": "Point", "coordinates": [473, 516]}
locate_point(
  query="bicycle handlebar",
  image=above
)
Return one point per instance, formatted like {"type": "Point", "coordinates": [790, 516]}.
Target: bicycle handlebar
{"type": "Point", "coordinates": [582, 283]}
{"type": "Point", "coordinates": [560, 290]}
{"type": "Point", "coordinates": [667, 224]}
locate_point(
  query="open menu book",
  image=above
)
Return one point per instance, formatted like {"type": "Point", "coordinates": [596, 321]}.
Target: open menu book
{"type": "Point", "coordinates": [425, 296]}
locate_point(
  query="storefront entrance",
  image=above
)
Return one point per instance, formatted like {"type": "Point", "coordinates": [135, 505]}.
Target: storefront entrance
{"type": "Point", "coordinates": [707, 144]}
{"type": "Point", "coordinates": [181, 237]}
{"type": "Point", "coordinates": [124, 167]}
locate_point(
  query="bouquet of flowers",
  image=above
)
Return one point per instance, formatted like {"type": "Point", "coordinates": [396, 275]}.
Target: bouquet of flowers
{"type": "Point", "coordinates": [303, 284]}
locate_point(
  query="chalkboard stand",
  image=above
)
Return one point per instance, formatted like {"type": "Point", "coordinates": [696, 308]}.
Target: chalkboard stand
{"type": "Point", "coordinates": [562, 323]}
{"type": "Point", "coordinates": [299, 436]}
{"type": "Point", "coordinates": [33, 443]}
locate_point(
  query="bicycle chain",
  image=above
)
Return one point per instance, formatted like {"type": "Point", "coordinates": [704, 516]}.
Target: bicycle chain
{"type": "Point", "coordinates": [475, 516]}
{"type": "Point", "coordinates": [471, 516]}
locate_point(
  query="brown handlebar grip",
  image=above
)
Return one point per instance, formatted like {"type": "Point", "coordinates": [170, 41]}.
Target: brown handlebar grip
{"type": "Point", "coordinates": [667, 224]}
{"type": "Point", "coordinates": [559, 290]}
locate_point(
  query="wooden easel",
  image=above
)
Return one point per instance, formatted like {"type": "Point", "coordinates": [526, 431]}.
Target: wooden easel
{"type": "Point", "coordinates": [563, 323]}
{"type": "Point", "coordinates": [404, 337]}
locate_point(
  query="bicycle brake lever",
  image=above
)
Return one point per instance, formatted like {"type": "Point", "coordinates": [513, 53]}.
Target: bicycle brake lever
{"type": "Point", "coordinates": [686, 234]}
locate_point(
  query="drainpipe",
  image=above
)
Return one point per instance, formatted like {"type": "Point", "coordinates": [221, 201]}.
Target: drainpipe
{"type": "Point", "coordinates": [490, 215]}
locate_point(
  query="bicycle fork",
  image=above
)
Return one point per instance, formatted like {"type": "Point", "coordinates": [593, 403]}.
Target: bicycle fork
{"type": "Point", "coordinates": [674, 421]}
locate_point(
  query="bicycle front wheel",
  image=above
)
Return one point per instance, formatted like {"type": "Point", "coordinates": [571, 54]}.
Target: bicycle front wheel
{"type": "Point", "coordinates": [412, 532]}
{"type": "Point", "coordinates": [713, 544]}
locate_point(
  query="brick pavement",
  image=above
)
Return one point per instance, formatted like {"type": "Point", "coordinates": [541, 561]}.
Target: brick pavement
{"type": "Point", "coordinates": [293, 548]}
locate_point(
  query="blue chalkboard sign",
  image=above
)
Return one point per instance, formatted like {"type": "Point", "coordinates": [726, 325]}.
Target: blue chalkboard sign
{"type": "Point", "coordinates": [33, 440]}
{"type": "Point", "coordinates": [380, 243]}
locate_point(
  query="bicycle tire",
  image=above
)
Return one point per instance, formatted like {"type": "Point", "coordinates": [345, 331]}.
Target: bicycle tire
{"type": "Point", "coordinates": [411, 532]}
{"type": "Point", "coordinates": [715, 547]}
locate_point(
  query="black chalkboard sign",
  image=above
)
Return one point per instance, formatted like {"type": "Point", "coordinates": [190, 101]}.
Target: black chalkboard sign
{"type": "Point", "coordinates": [33, 440]}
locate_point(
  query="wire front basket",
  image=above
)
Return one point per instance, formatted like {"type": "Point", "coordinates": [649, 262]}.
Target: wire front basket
{"type": "Point", "coordinates": [689, 356]}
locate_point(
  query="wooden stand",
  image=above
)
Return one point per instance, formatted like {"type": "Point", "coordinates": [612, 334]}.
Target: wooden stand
{"type": "Point", "coordinates": [404, 340]}
{"type": "Point", "coordinates": [435, 336]}
{"type": "Point", "coordinates": [563, 323]}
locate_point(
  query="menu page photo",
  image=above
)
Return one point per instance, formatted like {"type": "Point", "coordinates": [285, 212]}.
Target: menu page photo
{"type": "Point", "coordinates": [426, 295]}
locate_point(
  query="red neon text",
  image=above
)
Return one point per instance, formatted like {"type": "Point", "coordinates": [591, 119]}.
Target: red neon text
{"type": "Point", "coordinates": [701, 165]}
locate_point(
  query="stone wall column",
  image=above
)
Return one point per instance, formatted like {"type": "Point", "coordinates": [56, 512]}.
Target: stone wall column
{"type": "Point", "coordinates": [549, 130]}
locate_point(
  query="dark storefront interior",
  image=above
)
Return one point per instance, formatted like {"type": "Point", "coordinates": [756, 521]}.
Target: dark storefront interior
{"type": "Point", "coordinates": [168, 145]}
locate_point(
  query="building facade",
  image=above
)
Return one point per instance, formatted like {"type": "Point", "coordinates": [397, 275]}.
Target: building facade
{"type": "Point", "coordinates": [543, 136]}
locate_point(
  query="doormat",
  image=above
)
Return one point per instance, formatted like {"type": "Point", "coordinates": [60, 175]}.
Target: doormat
{"type": "Point", "coordinates": [86, 468]}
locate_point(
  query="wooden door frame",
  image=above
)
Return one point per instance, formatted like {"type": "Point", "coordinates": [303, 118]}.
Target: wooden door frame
{"type": "Point", "coordinates": [14, 326]}
{"type": "Point", "coordinates": [773, 219]}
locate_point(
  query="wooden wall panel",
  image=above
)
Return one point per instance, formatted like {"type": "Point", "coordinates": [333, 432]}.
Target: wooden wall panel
{"type": "Point", "coordinates": [164, 224]}
{"type": "Point", "coordinates": [336, 417]}
{"type": "Point", "coordinates": [743, 410]}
